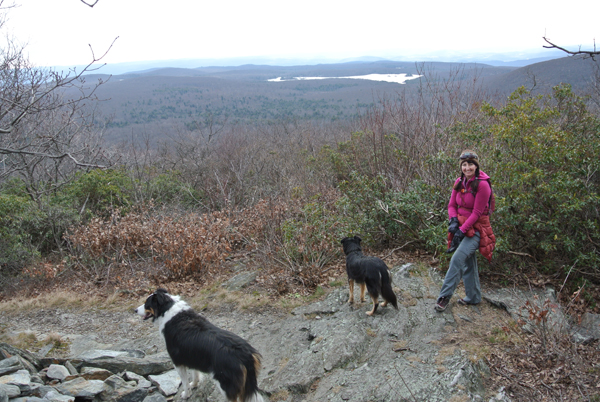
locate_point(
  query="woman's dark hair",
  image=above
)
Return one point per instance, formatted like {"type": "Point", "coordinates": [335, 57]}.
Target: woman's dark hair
{"type": "Point", "coordinates": [474, 186]}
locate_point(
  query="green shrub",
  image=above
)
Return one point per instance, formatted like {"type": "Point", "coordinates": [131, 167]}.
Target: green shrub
{"type": "Point", "coordinates": [168, 188]}
{"type": "Point", "coordinates": [398, 217]}
{"type": "Point", "coordinates": [30, 229]}
{"type": "Point", "coordinates": [16, 248]}
{"type": "Point", "coordinates": [99, 191]}
{"type": "Point", "coordinates": [311, 239]}
{"type": "Point", "coordinates": [542, 153]}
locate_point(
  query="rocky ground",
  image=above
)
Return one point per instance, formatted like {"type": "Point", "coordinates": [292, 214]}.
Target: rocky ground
{"type": "Point", "coordinates": [324, 350]}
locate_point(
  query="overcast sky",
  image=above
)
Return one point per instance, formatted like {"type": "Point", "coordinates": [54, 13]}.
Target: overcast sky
{"type": "Point", "coordinates": [60, 32]}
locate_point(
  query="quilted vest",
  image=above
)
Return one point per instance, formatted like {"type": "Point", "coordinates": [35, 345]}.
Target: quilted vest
{"type": "Point", "coordinates": [487, 241]}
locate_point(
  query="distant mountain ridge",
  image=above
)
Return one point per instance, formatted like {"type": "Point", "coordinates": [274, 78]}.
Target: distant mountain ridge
{"type": "Point", "coordinates": [578, 71]}
{"type": "Point", "coordinates": [512, 59]}
{"type": "Point", "coordinates": [153, 101]}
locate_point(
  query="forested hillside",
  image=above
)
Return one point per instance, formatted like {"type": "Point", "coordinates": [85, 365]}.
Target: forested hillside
{"type": "Point", "coordinates": [153, 103]}
{"type": "Point", "coordinates": [217, 161]}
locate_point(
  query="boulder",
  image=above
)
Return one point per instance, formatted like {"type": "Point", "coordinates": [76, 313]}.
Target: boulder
{"type": "Point", "coordinates": [10, 365]}
{"type": "Point", "coordinates": [71, 368]}
{"type": "Point", "coordinates": [240, 281]}
{"type": "Point", "coordinates": [153, 364]}
{"type": "Point", "coordinates": [43, 390]}
{"type": "Point", "coordinates": [57, 372]}
{"type": "Point", "coordinates": [8, 351]}
{"type": "Point", "coordinates": [117, 389]}
{"type": "Point", "coordinates": [81, 388]}
{"type": "Point", "coordinates": [16, 363]}
{"type": "Point", "coordinates": [100, 354]}
{"type": "Point", "coordinates": [141, 381]}
{"type": "Point", "coordinates": [167, 383]}
{"type": "Point", "coordinates": [588, 330]}
{"type": "Point", "coordinates": [140, 354]}
{"type": "Point", "coordinates": [12, 391]}
{"type": "Point", "coordinates": [155, 397]}
{"type": "Point", "coordinates": [21, 379]}
{"type": "Point", "coordinates": [94, 373]}
{"type": "Point", "coordinates": [522, 305]}
{"type": "Point", "coordinates": [54, 396]}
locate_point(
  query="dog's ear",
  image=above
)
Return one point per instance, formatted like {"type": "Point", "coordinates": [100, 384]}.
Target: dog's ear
{"type": "Point", "coordinates": [159, 297]}
{"type": "Point", "coordinates": [156, 300]}
{"type": "Point", "coordinates": [151, 305]}
{"type": "Point", "coordinates": [358, 239]}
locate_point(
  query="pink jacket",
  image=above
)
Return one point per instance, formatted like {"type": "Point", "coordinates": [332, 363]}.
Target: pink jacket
{"type": "Point", "coordinates": [473, 214]}
{"type": "Point", "coordinates": [468, 205]}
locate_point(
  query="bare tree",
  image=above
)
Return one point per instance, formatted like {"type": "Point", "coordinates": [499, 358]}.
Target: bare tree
{"type": "Point", "coordinates": [586, 53]}
{"type": "Point", "coordinates": [47, 126]}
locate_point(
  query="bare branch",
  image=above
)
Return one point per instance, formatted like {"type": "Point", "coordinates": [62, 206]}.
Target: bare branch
{"type": "Point", "coordinates": [50, 156]}
{"type": "Point", "coordinates": [58, 82]}
{"type": "Point", "coordinates": [90, 4]}
{"type": "Point", "coordinates": [48, 128]}
{"type": "Point", "coordinates": [586, 53]}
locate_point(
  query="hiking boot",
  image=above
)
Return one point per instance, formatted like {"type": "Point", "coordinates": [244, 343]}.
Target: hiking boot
{"type": "Point", "coordinates": [442, 303]}
{"type": "Point", "coordinates": [463, 302]}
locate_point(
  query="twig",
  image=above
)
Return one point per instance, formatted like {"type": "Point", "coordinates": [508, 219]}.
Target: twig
{"type": "Point", "coordinates": [569, 273]}
{"type": "Point", "coordinates": [398, 248]}
{"type": "Point", "coordinates": [578, 388]}
{"type": "Point", "coordinates": [548, 387]}
{"type": "Point", "coordinates": [405, 384]}
{"type": "Point", "coordinates": [521, 254]}
{"type": "Point", "coordinates": [90, 4]}
{"type": "Point", "coordinates": [385, 208]}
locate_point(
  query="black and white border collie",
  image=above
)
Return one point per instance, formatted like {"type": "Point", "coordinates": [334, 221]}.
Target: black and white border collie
{"type": "Point", "coordinates": [195, 345]}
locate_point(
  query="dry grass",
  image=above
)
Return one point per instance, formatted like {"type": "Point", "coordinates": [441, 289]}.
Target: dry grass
{"type": "Point", "coordinates": [28, 340]}
{"type": "Point", "coordinates": [67, 299]}
{"type": "Point", "coordinates": [61, 298]}
{"type": "Point", "coordinates": [281, 395]}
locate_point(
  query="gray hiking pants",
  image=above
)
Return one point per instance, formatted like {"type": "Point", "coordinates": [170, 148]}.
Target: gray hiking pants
{"type": "Point", "coordinates": [464, 265]}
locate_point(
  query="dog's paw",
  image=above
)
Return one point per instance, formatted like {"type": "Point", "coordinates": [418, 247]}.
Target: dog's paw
{"type": "Point", "coordinates": [193, 384]}
{"type": "Point", "coordinates": [384, 304]}
{"type": "Point", "coordinates": [369, 313]}
{"type": "Point", "coordinates": [184, 395]}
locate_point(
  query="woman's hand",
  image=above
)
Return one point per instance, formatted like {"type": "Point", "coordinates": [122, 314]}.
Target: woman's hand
{"type": "Point", "coordinates": [453, 225]}
{"type": "Point", "coordinates": [458, 236]}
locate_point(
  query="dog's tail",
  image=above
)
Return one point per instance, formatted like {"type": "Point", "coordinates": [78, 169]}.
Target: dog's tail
{"type": "Point", "coordinates": [256, 397]}
{"type": "Point", "coordinates": [386, 289]}
{"type": "Point", "coordinates": [251, 390]}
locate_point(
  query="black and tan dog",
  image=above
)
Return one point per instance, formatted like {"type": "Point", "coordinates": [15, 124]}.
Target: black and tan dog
{"type": "Point", "coordinates": [370, 273]}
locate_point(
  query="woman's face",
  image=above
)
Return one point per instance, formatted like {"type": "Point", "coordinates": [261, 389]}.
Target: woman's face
{"type": "Point", "coordinates": [468, 168]}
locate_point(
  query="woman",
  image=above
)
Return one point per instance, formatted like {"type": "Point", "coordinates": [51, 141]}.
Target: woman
{"type": "Point", "coordinates": [469, 230]}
